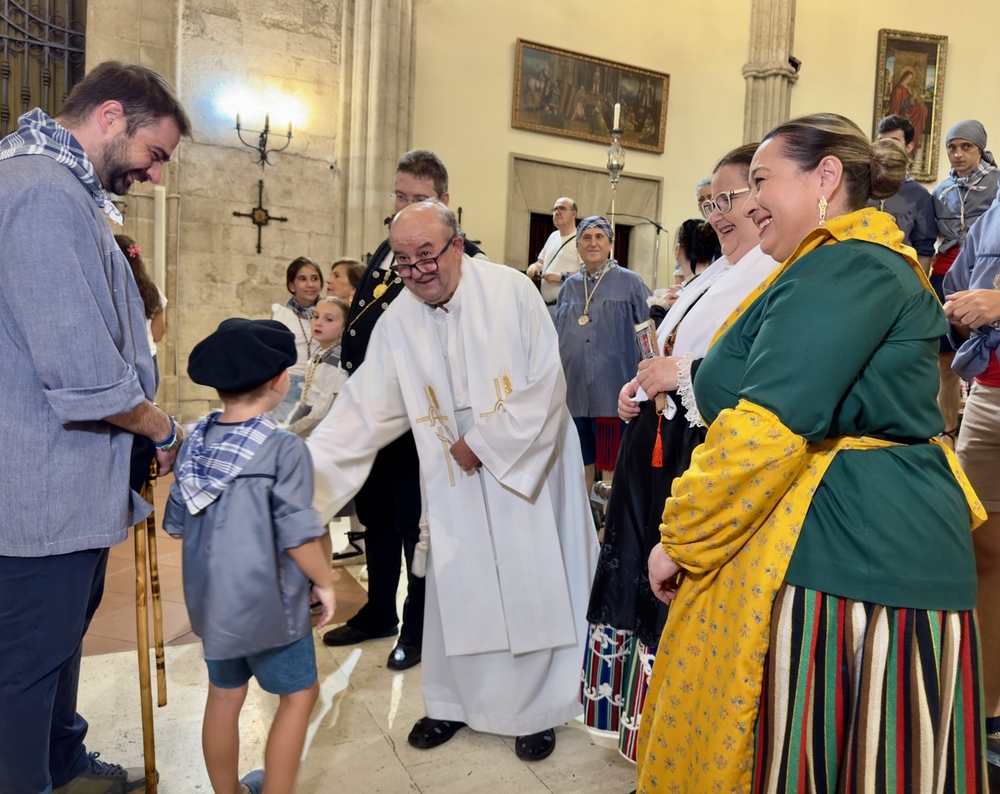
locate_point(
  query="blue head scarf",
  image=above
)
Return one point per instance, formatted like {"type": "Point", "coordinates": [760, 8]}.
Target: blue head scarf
{"type": "Point", "coordinates": [595, 220]}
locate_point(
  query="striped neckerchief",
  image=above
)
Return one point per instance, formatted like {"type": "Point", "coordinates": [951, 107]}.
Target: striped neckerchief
{"type": "Point", "coordinates": [39, 133]}
{"type": "Point", "coordinates": [206, 472]}
{"type": "Point", "coordinates": [305, 312]}
{"type": "Point", "coordinates": [598, 274]}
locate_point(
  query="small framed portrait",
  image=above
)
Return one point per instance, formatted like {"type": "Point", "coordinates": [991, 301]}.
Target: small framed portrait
{"type": "Point", "coordinates": [909, 81]}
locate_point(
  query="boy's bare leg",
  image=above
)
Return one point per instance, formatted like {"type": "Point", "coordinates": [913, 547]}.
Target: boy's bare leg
{"type": "Point", "coordinates": [220, 738]}
{"type": "Point", "coordinates": [284, 742]}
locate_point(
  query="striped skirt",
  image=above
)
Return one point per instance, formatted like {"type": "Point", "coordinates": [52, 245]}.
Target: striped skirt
{"type": "Point", "coordinates": [859, 697]}
{"type": "Point", "coordinates": [614, 682]}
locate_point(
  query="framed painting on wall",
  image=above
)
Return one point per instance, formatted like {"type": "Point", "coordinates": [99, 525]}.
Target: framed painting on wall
{"type": "Point", "coordinates": [566, 93]}
{"type": "Point", "coordinates": [909, 81]}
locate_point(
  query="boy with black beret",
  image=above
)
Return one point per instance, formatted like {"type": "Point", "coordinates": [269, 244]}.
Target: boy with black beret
{"type": "Point", "coordinates": [242, 501]}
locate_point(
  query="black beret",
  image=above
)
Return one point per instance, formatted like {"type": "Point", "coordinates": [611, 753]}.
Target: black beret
{"type": "Point", "coordinates": [242, 355]}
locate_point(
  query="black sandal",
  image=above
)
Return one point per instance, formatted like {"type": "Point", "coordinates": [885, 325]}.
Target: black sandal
{"type": "Point", "coordinates": [535, 746]}
{"type": "Point", "coordinates": [428, 732]}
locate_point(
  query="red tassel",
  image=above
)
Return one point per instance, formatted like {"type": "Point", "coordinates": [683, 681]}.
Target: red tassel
{"type": "Point", "coordinates": [658, 446]}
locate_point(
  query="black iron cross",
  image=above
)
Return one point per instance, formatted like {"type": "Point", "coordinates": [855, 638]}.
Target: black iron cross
{"type": "Point", "coordinates": [258, 215]}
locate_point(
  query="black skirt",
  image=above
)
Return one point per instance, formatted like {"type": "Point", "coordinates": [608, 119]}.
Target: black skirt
{"type": "Point", "coordinates": [621, 596]}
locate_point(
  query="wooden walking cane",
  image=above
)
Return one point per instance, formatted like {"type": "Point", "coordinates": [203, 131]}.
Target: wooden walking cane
{"type": "Point", "coordinates": [145, 557]}
{"type": "Point", "coordinates": [154, 581]}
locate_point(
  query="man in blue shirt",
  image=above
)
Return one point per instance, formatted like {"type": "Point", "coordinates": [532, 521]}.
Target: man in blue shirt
{"type": "Point", "coordinates": [76, 390]}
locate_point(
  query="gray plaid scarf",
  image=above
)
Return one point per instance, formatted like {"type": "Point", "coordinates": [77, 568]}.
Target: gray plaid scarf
{"type": "Point", "coordinates": [39, 133]}
{"type": "Point", "coordinates": [205, 472]}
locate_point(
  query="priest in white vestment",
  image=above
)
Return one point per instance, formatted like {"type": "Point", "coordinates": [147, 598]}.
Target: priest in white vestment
{"type": "Point", "coordinates": [468, 359]}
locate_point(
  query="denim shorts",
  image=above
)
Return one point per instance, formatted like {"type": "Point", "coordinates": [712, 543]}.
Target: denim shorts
{"type": "Point", "coordinates": [280, 671]}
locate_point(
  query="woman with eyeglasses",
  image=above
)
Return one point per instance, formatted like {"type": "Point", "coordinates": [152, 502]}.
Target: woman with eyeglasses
{"type": "Point", "coordinates": [626, 618]}
{"type": "Point", "coordinates": [816, 554]}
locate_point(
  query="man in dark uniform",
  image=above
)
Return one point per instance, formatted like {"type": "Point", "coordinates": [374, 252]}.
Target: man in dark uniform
{"type": "Point", "coordinates": [388, 504]}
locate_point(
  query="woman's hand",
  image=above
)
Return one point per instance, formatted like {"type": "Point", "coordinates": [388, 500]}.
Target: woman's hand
{"type": "Point", "coordinates": [663, 574]}
{"type": "Point", "coordinates": [657, 374]}
{"type": "Point", "coordinates": [628, 410]}
{"type": "Point", "coordinates": [973, 308]}
{"type": "Point", "coordinates": [669, 298]}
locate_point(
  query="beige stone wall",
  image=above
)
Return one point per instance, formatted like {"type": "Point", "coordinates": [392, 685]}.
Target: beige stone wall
{"type": "Point", "coordinates": [212, 50]}
{"type": "Point", "coordinates": [269, 53]}
{"type": "Point", "coordinates": [145, 32]}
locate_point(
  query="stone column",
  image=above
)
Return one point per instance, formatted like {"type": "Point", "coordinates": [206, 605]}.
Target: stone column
{"type": "Point", "coordinates": [767, 71]}
{"type": "Point", "coordinates": [376, 115]}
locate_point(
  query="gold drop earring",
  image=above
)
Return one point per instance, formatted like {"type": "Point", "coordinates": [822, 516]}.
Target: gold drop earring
{"type": "Point", "coordinates": [822, 210]}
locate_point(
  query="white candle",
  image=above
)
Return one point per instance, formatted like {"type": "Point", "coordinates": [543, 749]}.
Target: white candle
{"type": "Point", "coordinates": [618, 114]}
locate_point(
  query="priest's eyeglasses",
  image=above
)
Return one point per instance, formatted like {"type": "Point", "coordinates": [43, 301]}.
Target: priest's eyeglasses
{"type": "Point", "coordinates": [428, 265]}
{"type": "Point", "coordinates": [723, 202]}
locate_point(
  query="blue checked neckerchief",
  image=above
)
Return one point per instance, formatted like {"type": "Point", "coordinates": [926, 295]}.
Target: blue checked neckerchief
{"type": "Point", "coordinates": [597, 276]}
{"type": "Point", "coordinates": [38, 133]}
{"type": "Point", "coordinates": [306, 313]}
{"type": "Point", "coordinates": [973, 177]}
{"type": "Point", "coordinates": [970, 182]}
{"type": "Point", "coordinates": [207, 471]}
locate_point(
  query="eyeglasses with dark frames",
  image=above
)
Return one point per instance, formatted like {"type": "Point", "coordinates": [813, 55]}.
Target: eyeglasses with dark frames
{"type": "Point", "coordinates": [422, 266]}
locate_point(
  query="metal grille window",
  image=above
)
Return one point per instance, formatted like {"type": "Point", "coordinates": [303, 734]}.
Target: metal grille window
{"type": "Point", "coordinates": [41, 55]}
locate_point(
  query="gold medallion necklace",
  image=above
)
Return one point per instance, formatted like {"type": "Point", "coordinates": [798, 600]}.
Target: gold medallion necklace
{"type": "Point", "coordinates": [587, 296]}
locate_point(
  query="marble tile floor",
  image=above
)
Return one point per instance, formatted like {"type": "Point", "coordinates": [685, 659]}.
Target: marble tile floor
{"type": "Point", "coordinates": [357, 740]}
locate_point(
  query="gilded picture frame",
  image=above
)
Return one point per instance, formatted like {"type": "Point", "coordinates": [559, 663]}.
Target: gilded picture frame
{"type": "Point", "coordinates": [559, 92]}
{"type": "Point", "coordinates": [909, 81]}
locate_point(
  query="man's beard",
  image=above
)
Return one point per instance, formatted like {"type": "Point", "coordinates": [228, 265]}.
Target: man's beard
{"type": "Point", "coordinates": [118, 177]}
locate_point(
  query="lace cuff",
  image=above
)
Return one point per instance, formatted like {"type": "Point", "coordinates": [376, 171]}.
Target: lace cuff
{"type": "Point", "coordinates": [685, 390]}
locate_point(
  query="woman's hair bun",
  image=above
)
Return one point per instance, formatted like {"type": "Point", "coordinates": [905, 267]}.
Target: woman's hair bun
{"type": "Point", "coordinates": [889, 162]}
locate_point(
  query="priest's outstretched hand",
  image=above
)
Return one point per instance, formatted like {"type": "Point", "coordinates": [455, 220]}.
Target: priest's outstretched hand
{"type": "Point", "coordinates": [464, 456]}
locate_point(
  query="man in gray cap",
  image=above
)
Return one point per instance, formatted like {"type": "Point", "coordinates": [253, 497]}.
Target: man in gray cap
{"type": "Point", "coordinates": [959, 200]}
